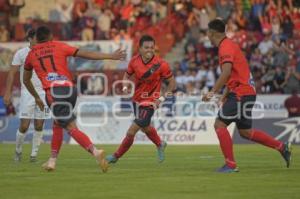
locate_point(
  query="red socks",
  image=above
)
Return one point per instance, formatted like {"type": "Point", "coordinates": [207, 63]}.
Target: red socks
{"type": "Point", "coordinates": [82, 139]}
{"type": "Point", "coordinates": [226, 146]}
{"type": "Point", "coordinates": [57, 139]}
{"type": "Point", "coordinates": [265, 139]}
{"type": "Point", "coordinates": [125, 145]}
{"type": "Point", "coordinates": [153, 136]}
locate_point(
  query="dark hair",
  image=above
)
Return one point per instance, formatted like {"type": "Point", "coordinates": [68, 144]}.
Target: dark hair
{"type": "Point", "coordinates": [42, 34]}
{"type": "Point", "coordinates": [145, 38]}
{"type": "Point", "coordinates": [217, 25]}
{"type": "Point", "coordinates": [30, 34]}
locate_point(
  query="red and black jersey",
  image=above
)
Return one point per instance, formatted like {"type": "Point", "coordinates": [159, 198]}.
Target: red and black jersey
{"type": "Point", "coordinates": [240, 82]}
{"type": "Point", "coordinates": [49, 60]}
{"type": "Point", "coordinates": [148, 78]}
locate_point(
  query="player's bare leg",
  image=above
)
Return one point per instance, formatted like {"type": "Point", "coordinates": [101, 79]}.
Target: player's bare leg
{"type": "Point", "coordinates": [125, 145]}
{"type": "Point", "coordinates": [20, 136]}
{"type": "Point", "coordinates": [265, 139]}
{"type": "Point", "coordinates": [36, 138]}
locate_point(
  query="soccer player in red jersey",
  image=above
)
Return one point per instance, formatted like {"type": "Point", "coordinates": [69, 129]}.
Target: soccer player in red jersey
{"type": "Point", "coordinates": [49, 60]}
{"type": "Point", "coordinates": [238, 99]}
{"type": "Point", "coordinates": [149, 71]}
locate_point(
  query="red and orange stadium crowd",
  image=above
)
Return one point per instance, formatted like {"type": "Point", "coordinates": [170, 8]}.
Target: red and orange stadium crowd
{"type": "Point", "coordinates": [266, 30]}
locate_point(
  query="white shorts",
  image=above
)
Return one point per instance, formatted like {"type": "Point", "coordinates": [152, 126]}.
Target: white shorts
{"type": "Point", "coordinates": [29, 109]}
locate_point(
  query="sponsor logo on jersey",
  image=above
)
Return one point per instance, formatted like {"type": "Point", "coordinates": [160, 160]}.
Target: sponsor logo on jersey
{"type": "Point", "coordinates": [56, 77]}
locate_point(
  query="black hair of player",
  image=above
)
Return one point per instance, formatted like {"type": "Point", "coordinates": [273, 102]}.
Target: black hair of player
{"type": "Point", "coordinates": [145, 38]}
{"type": "Point", "coordinates": [217, 25]}
{"type": "Point", "coordinates": [43, 34]}
{"type": "Point", "coordinates": [30, 34]}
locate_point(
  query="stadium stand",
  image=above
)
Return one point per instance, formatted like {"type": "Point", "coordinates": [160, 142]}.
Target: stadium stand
{"type": "Point", "coordinates": [267, 31]}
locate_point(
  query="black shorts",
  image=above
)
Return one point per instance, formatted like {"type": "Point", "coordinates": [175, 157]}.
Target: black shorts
{"type": "Point", "coordinates": [61, 101]}
{"type": "Point", "coordinates": [238, 110]}
{"type": "Point", "coordinates": [143, 114]}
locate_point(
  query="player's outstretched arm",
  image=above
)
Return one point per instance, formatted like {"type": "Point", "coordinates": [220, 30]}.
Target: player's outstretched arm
{"type": "Point", "coordinates": [93, 55]}
{"type": "Point", "coordinates": [9, 84]}
{"type": "Point", "coordinates": [27, 82]}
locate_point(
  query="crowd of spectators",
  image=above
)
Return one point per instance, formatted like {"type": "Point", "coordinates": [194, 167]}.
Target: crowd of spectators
{"type": "Point", "coordinates": [267, 32]}
{"type": "Point", "coordinates": [88, 19]}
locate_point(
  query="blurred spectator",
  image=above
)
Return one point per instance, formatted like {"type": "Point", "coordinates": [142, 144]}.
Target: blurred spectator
{"type": "Point", "coordinates": [88, 31]}
{"type": "Point", "coordinates": [4, 12]}
{"type": "Point", "coordinates": [288, 27]}
{"type": "Point", "coordinates": [279, 80]}
{"type": "Point", "coordinates": [126, 12]}
{"type": "Point", "coordinates": [275, 25]}
{"type": "Point", "coordinates": [79, 8]}
{"type": "Point", "coordinates": [292, 80]}
{"type": "Point", "coordinates": [266, 45]}
{"type": "Point", "coordinates": [63, 14]}
{"type": "Point", "coordinates": [256, 59]}
{"type": "Point", "coordinates": [15, 6]}
{"type": "Point", "coordinates": [4, 34]}
{"type": "Point", "coordinates": [104, 22]}
{"type": "Point", "coordinates": [121, 37]}
{"type": "Point", "coordinates": [292, 104]}
{"type": "Point", "coordinates": [224, 9]}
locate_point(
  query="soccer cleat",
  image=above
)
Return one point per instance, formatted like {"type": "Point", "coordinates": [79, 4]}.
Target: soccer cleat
{"type": "Point", "coordinates": [111, 159]}
{"type": "Point", "coordinates": [32, 159]}
{"type": "Point", "coordinates": [161, 151]}
{"type": "Point", "coordinates": [287, 153]}
{"type": "Point", "coordinates": [227, 169]}
{"type": "Point", "coordinates": [102, 161]}
{"type": "Point", "coordinates": [18, 156]}
{"type": "Point", "coordinates": [49, 165]}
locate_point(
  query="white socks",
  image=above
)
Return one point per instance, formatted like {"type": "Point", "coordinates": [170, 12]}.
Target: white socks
{"type": "Point", "coordinates": [36, 142]}
{"type": "Point", "coordinates": [19, 141]}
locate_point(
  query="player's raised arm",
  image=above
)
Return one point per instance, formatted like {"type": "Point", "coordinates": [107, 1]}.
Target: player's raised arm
{"type": "Point", "coordinates": [117, 55]}
{"type": "Point", "coordinates": [9, 84]}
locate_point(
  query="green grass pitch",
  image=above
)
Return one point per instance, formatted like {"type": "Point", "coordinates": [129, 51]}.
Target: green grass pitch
{"type": "Point", "coordinates": [187, 173]}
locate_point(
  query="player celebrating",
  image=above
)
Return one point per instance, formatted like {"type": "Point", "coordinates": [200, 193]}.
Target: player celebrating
{"type": "Point", "coordinates": [28, 108]}
{"type": "Point", "coordinates": [49, 60]}
{"type": "Point", "coordinates": [149, 72]}
{"type": "Point", "coordinates": [238, 99]}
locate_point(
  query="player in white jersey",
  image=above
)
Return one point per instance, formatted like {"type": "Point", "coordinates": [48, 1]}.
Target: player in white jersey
{"type": "Point", "coordinates": [28, 108]}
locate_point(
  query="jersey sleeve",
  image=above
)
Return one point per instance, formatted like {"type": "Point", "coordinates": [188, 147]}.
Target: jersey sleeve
{"type": "Point", "coordinates": [226, 54]}
{"type": "Point", "coordinates": [27, 65]}
{"type": "Point", "coordinates": [165, 70]}
{"type": "Point", "coordinates": [68, 50]}
{"type": "Point", "coordinates": [17, 60]}
{"type": "Point", "coordinates": [130, 68]}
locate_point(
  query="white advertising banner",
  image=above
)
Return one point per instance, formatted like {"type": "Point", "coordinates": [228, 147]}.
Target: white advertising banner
{"type": "Point", "coordinates": [190, 130]}
{"type": "Point", "coordinates": [266, 106]}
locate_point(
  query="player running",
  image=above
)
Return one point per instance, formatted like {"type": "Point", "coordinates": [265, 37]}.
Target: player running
{"type": "Point", "coordinates": [49, 60]}
{"type": "Point", "coordinates": [149, 71]}
{"type": "Point", "coordinates": [238, 99]}
{"type": "Point", "coordinates": [28, 108]}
